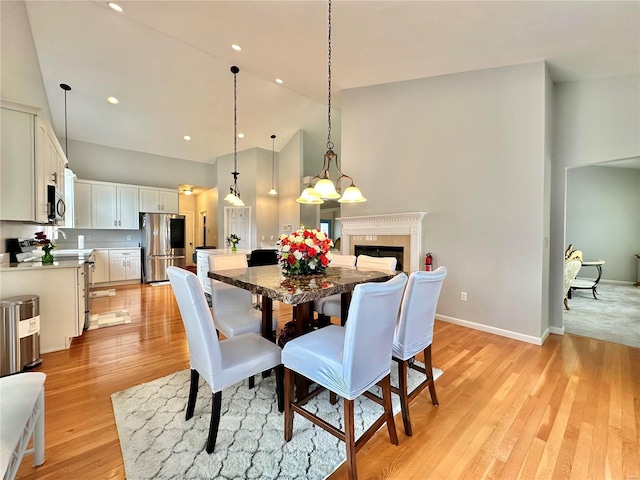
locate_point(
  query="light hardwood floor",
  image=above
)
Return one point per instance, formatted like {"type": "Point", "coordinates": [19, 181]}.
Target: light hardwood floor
{"type": "Point", "coordinates": [569, 409]}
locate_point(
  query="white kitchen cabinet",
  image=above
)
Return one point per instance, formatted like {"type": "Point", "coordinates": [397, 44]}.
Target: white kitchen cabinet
{"type": "Point", "coordinates": [124, 265]}
{"type": "Point", "coordinates": [114, 206]}
{"type": "Point", "coordinates": [158, 200]}
{"type": "Point", "coordinates": [61, 298]}
{"type": "Point", "coordinates": [82, 204]}
{"type": "Point", "coordinates": [101, 267]}
{"type": "Point", "coordinates": [30, 159]}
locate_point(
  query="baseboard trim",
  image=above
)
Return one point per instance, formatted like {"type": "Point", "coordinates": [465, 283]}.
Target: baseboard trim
{"type": "Point", "coordinates": [615, 282]}
{"type": "Point", "coordinates": [557, 330]}
{"type": "Point", "coordinates": [496, 331]}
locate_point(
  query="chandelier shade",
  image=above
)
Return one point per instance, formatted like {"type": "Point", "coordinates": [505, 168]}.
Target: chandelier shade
{"type": "Point", "coordinates": [324, 188]}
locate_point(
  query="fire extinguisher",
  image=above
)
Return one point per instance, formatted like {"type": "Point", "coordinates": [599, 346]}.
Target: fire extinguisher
{"type": "Point", "coordinates": [428, 262]}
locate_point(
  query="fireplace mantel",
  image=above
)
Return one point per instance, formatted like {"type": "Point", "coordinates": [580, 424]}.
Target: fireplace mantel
{"type": "Point", "coordinates": [403, 224]}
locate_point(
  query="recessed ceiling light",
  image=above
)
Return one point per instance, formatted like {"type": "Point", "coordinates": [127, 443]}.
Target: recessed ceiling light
{"type": "Point", "coordinates": [236, 47]}
{"type": "Point", "coordinates": [112, 100]}
{"type": "Point", "coordinates": [279, 81]}
{"type": "Point", "coordinates": [187, 137]}
{"type": "Point", "coordinates": [241, 135]}
{"type": "Point", "coordinates": [115, 6]}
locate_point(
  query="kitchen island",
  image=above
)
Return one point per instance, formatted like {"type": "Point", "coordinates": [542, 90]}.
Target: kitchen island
{"type": "Point", "coordinates": [61, 288]}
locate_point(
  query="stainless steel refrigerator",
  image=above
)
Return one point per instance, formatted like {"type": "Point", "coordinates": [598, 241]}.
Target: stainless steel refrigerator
{"type": "Point", "coordinates": [163, 244]}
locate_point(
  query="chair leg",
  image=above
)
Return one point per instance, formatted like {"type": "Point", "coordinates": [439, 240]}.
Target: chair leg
{"type": "Point", "coordinates": [404, 396]}
{"type": "Point", "coordinates": [193, 393]}
{"type": "Point", "coordinates": [280, 387]}
{"type": "Point", "coordinates": [333, 398]}
{"type": "Point", "coordinates": [388, 409]}
{"type": "Point", "coordinates": [252, 381]}
{"type": "Point", "coordinates": [215, 422]}
{"type": "Point", "coordinates": [566, 304]}
{"type": "Point", "coordinates": [288, 398]}
{"type": "Point", "coordinates": [429, 368]}
{"type": "Point", "coordinates": [350, 439]}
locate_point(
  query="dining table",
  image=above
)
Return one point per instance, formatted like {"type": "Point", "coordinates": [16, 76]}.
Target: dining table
{"type": "Point", "coordinates": [271, 284]}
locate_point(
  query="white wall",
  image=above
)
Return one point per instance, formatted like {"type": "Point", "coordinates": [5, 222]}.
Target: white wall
{"type": "Point", "coordinates": [266, 205]}
{"type": "Point", "coordinates": [594, 121]}
{"type": "Point", "coordinates": [90, 161]}
{"type": "Point", "coordinates": [469, 149]}
{"type": "Point", "coordinates": [289, 180]}
{"type": "Point", "coordinates": [20, 75]}
{"type": "Point", "coordinates": [603, 218]}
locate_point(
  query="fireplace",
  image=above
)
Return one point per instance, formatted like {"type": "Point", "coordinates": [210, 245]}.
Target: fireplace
{"type": "Point", "coordinates": [397, 230]}
{"type": "Point", "coordinates": [381, 251]}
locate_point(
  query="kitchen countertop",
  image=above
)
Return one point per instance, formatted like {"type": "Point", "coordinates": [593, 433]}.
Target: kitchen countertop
{"type": "Point", "coordinates": [66, 263]}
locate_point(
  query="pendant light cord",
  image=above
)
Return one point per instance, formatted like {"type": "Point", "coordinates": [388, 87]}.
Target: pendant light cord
{"type": "Point", "coordinates": [329, 143]}
{"type": "Point", "coordinates": [273, 158]}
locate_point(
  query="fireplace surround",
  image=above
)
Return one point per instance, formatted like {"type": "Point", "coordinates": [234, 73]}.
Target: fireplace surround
{"type": "Point", "coordinates": [393, 229]}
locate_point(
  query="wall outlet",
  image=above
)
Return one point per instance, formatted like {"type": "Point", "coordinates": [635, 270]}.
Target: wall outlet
{"type": "Point", "coordinates": [128, 237]}
{"type": "Point", "coordinates": [88, 237]}
{"type": "Point", "coordinates": [463, 296]}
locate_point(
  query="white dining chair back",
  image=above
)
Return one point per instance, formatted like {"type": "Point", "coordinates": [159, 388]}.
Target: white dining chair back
{"type": "Point", "coordinates": [221, 363]}
{"type": "Point", "coordinates": [343, 260]}
{"type": "Point", "coordinates": [384, 263]}
{"type": "Point", "coordinates": [369, 333]}
{"type": "Point", "coordinates": [233, 311]}
{"type": "Point", "coordinates": [204, 348]}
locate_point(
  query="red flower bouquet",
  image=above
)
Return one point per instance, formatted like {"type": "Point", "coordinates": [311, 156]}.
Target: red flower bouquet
{"type": "Point", "coordinates": [304, 252]}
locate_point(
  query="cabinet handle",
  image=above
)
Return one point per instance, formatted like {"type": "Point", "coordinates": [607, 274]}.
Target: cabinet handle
{"type": "Point", "coordinates": [54, 177]}
{"type": "Point", "coordinates": [115, 223]}
{"type": "Point", "coordinates": [119, 222]}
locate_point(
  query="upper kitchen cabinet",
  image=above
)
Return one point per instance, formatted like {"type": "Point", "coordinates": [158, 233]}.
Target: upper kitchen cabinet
{"type": "Point", "coordinates": [158, 200]}
{"type": "Point", "coordinates": [31, 160]}
{"type": "Point", "coordinates": [82, 204]}
{"type": "Point", "coordinates": [114, 206]}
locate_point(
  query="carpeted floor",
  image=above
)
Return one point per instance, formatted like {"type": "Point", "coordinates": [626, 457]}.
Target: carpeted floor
{"type": "Point", "coordinates": [614, 317]}
{"type": "Point", "coordinates": [158, 443]}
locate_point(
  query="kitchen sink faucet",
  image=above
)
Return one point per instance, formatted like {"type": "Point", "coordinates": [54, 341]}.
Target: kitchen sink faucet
{"type": "Point", "coordinates": [54, 235]}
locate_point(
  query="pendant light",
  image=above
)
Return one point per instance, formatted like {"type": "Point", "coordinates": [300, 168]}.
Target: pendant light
{"type": "Point", "coordinates": [273, 164]}
{"type": "Point", "coordinates": [233, 197]}
{"type": "Point", "coordinates": [66, 88]}
{"type": "Point", "coordinates": [324, 188]}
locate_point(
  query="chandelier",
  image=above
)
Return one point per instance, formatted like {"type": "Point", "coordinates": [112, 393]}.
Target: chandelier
{"type": "Point", "coordinates": [324, 188]}
{"type": "Point", "coordinates": [233, 197]}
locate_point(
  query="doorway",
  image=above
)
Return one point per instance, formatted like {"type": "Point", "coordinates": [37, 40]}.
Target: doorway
{"type": "Point", "coordinates": [189, 236]}
{"type": "Point", "coordinates": [237, 220]}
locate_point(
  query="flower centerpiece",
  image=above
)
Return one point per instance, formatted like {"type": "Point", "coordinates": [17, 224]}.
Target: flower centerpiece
{"type": "Point", "coordinates": [232, 241]}
{"type": "Point", "coordinates": [304, 252]}
{"type": "Point", "coordinates": [47, 246]}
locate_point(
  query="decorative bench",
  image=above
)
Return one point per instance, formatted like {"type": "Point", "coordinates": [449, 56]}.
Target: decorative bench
{"type": "Point", "coordinates": [21, 416]}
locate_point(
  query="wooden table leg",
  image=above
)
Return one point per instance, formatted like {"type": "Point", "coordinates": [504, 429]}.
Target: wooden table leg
{"type": "Point", "coordinates": [345, 300]}
{"type": "Point", "coordinates": [267, 319]}
{"type": "Point", "coordinates": [302, 315]}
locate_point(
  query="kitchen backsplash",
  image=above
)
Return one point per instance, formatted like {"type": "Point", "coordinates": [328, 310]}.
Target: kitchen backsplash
{"type": "Point", "coordinates": [92, 238]}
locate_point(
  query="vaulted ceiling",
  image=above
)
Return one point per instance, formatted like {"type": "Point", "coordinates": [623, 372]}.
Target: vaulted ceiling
{"type": "Point", "coordinates": [168, 61]}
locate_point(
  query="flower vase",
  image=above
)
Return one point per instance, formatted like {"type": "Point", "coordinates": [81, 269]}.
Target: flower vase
{"type": "Point", "coordinates": [47, 258]}
{"type": "Point", "coordinates": [234, 248]}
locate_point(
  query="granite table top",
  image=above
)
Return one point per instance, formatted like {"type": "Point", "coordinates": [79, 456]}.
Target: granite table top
{"type": "Point", "coordinates": [270, 282]}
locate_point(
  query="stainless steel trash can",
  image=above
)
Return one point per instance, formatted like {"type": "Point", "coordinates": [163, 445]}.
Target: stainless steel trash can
{"type": "Point", "coordinates": [19, 334]}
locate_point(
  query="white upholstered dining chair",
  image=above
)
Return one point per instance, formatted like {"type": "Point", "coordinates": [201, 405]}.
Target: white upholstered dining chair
{"type": "Point", "coordinates": [347, 361]}
{"type": "Point", "coordinates": [332, 305]}
{"type": "Point", "coordinates": [414, 335]}
{"type": "Point", "coordinates": [338, 260]}
{"type": "Point", "coordinates": [221, 363]}
{"type": "Point", "coordinates": [233, 312]}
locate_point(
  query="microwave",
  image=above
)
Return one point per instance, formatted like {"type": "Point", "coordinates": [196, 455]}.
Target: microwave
{"type": "Point", "coordinates": [55, 205]}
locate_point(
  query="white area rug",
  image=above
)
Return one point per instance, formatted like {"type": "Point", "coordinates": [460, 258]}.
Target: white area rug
{"type": "Point", "coordinates": [109, 319]}
{"type": "Point", "coordinates": [158, 443]}
{"type": "Point", "coordinates": [103, 293]}
{"type": "Point", "coordinates": [614, 317]}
